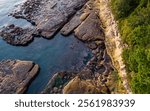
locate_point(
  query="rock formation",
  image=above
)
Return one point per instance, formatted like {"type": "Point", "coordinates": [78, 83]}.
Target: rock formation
{"type": "Point", "coordinates": [15, 35]}
{"type": "Point", "coordinates": [48, 15]}
{"type": "Point", "coordinates": [15, 75]}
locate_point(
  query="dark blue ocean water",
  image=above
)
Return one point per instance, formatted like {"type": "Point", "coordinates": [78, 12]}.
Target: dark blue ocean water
{"type": "Point", "coordinates": [58, 54]}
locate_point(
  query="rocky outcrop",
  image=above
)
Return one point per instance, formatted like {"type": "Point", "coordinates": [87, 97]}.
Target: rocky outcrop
{"type": "Point", "coordinates": [86, 25]}
{"type": "Point", "coordinates": [48, 15]}
{"type": "Point", "coordinates": [16, 36]}
{"type": "Point", "coordinates": [15, 75]}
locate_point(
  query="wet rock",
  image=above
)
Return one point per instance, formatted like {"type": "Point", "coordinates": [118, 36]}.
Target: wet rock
{"type": "Point", "coordinates": [90, 29]}
{"type": "Point", "coordinates": [15, 35]}
{"type": "Point", "coordinates": [15, 75]}
{"type": "Point", "coordinates": [48, 15]}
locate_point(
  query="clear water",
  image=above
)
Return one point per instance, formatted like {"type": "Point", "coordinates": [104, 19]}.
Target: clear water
{"type": "Point", "coordinates": [55, 55]}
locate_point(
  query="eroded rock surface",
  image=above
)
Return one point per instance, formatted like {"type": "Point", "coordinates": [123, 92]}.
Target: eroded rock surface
{"type": "Point", "coordinates": [15, 75]}
{"type": "Point", "coordinates": [48, 15]}
{"type": "Point", "coordinates": [16, 36]}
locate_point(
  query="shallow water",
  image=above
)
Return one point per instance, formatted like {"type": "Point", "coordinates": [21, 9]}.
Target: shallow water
{"type": "Point", "coordinates": [6, 6]}
{"type": "Point", "coordinates": [55, 55]}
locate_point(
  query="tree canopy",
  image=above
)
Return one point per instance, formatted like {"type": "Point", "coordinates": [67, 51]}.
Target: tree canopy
{"type": "Point", "coordinates": [134, 25]}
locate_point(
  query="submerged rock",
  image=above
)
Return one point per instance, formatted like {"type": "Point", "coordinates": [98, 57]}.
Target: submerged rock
{"type": "Point", "coordinates": [48, 15]}
{"type": "Point", "coordinates": [15, 75]}
{"type": "Point", "coordinates": [16, 36]}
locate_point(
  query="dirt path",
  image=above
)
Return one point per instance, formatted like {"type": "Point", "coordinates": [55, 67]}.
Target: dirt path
{"type": "Point", "coordinates": [113, 40]}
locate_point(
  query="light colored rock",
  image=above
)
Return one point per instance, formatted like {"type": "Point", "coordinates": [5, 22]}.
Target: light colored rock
{"type": "Point", "coordinates": [78, 86]}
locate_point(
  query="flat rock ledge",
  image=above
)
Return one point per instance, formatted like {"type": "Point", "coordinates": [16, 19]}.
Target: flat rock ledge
{"type": "Point", "coordinates": [15, 75]}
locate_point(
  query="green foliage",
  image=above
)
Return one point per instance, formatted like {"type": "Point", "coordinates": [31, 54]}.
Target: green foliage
{"type": "Point", "coordinates": [122, 8]}
{"type": "Point", "coordinates": [134, 24]}
{"type": "Point", "coordinates": [139, 36]}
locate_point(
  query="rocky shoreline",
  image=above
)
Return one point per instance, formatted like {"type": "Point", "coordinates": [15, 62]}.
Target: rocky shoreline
{"type": "Point", "coordinates": [46, 16]}
{"type": "Point", "coordinates": [80, 17]}
{"type": "Point", "coordinates": [95, 76]}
